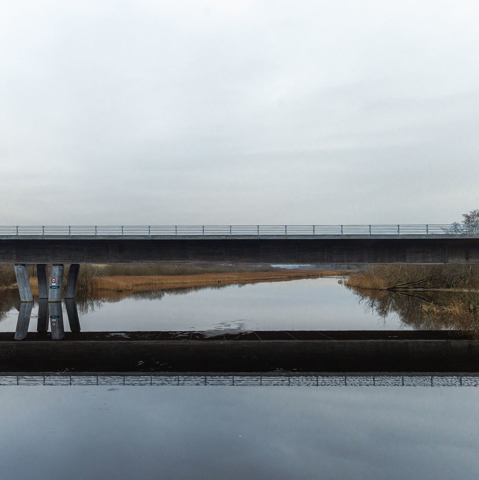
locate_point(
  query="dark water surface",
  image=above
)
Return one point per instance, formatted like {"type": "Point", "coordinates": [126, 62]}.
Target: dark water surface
{"type": "Point", "coordinates": [234, 432]}
{"type": "Point", "coordinates": [238, 433]}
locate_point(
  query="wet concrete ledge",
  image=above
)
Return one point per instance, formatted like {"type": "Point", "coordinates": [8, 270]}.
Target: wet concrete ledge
{"type": "Point", "coordinates": [370, 379]}
{"type": "Point", "coordinates": [265, 352]}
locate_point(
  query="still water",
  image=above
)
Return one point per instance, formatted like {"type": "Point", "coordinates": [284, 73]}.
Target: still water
{"type": "Point", "coordinates": [311, 304]}
{"type": "Point", "coordinates": [122, 432]}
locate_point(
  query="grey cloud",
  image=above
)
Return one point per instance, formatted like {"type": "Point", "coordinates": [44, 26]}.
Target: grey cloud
{"type": "Point", "coordinates": [148, 112]}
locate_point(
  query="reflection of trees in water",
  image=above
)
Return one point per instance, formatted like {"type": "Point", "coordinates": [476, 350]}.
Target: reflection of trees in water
{"type": "Point", "coordinates": [426, 310]}
{"type": "Point", "coordinates": [9, 298]}
{"type": "Point", "coordinates": [90, 301]}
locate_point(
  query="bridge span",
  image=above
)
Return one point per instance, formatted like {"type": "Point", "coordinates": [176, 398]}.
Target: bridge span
{"type": "Point", "coordinates": [250, 244]}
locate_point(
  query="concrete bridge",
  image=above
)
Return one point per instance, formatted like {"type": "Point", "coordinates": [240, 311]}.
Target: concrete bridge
{"type": "Point", "coordinates": [253, 244]}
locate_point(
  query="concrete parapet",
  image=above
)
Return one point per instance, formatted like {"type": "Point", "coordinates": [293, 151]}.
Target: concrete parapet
{"type": "Point", "coordinates": [377, 250]}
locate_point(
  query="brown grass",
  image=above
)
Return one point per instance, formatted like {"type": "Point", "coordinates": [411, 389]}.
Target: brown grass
{"type": "Point", "coordinates": [411, 277]}
{"type": "Point", "coordinates": [144, 283]}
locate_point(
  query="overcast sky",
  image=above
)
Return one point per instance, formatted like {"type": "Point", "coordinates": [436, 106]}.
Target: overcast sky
{"type": "Point", "coordinates": [238, 111]}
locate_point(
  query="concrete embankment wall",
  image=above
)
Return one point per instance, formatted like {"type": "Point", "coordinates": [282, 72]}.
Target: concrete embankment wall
{"type": "Point", "coordinates": [121, 354]}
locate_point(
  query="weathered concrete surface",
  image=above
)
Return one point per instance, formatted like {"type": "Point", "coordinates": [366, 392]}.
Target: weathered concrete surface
{"type": "Point", "coordinates": [72, 281]}
{"type": "Point", "coordinates": [23, 282]}
{"type": "Point", "coordinates": [432, 249]}
{"type": "Point", "coordinates": [42, 276]}
{"type": "Point", "coordinates": [56, 284]}
{"type": "Point", "coordinates": [308, 352]}
{"type": "Point", "coordinates": [23, 320]}
{"type": "Point", "coordinates": [56, 321]}
{"type": "Point", "coordinates": [72, 313]}
{"type": "Point", "coordinates": [43, 317]}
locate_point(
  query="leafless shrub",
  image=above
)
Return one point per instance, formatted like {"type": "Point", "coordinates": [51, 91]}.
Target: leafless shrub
{"type": "Point", "coordinates": [407, 277]}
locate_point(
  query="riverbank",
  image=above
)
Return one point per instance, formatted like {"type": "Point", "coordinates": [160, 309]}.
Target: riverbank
{"type": "Point", "coordinates": [415, 277]}
{"type": "Point", "coordinates": [131, 283]}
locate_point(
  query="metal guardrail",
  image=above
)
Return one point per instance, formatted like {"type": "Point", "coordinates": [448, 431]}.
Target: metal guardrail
{"type": "Point", "coordinates": [239, 230]}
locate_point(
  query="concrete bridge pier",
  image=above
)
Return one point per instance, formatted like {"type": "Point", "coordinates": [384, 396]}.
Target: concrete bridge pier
{"type": "Point", "coordinates": [72, 312]}
{"type": "Point", "coordinates": [42, 281]}
{"type": "Point", "coordinates": [56, 321]}
{"type": "Point", "coordinates": [42, 322]}
{"type": "Point", "coordinates": [23, 320]}
{"type": "Point", "coordinates": [72, 280]}
{"type": "Point", "coordinates": [56, 284]}
{"type": "Point", "coordinates": [23, 282]}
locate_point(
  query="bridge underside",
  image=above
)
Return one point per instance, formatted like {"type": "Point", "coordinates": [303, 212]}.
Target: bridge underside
{"type": "Point", "coordinates": [420, 250]}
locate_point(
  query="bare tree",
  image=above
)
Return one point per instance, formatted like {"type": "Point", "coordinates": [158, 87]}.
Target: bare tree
{"type": "Point", "coordinates": [471, 222]}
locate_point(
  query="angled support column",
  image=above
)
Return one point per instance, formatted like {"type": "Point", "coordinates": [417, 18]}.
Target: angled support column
{"type": "Point", "coordinates": [23, 320]}
{"type": "Point", "coordinates": [73, 318]}
{"type": "Point", "coordinates": [42, 281]}
{"type": "Point", "coordinates": [23, 282]}
{"type": "Point", "coordinates": [42, 322]}
{"type": "Point", "coordinates": [56, 321]}
{"type": "Point", "coordinates": [56, 284]}
{"type": "Point", "coordinates": [72, 280]}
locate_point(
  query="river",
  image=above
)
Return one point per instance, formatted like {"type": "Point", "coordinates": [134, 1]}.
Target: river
{"type": "Point", "coordinates": [178, 432]}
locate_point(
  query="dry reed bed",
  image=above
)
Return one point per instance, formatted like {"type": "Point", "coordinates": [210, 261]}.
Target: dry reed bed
{"type": "Point", "coordinates": [144, 283]}
{"type": "Point", "coordinates": [411, 277]}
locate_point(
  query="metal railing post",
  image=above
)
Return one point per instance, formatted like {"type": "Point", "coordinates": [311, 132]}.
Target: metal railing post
{"type": "Point", "coordinates": [427, 229]}
{"type": "Point", "coordinates": [95, 229]}
{"type": "Point", "coordinates": [341, 229]}
{"type": "Point", "coordinates": [43, 230]}
{"type": "Point", "coordinates": [176, 229]}
{"type": "Point", "coordinates": [399, 230]}
{"type": "Point", "coordinates": [286, 229]}
{"type": "Point", "coordinates": [314, 229]}
{"type": "Point", "coordinates": [69, 230]}
{"type": "Point", "coordinates": [122, 229]}
{"type": "Point", "coordinates": [369, 229]}
{"type": "Point", "coordinates": [258, 229]}
{"type": "Point", "coordinates": [203, 229]}
{"type": "Point", "coordinates": [230, 230]}
{"type": "Point", "coordinates": [17, 230]}
{"type": "Point", "coordinates": [149, 230]}
{"type": "Point", "coordinates": [455, 228]}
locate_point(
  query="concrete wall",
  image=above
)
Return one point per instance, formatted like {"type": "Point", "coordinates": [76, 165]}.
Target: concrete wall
{"type": "Point", "coordinates": [404, 250]}
{"type": "Point", "coordinates": [239, 356]}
